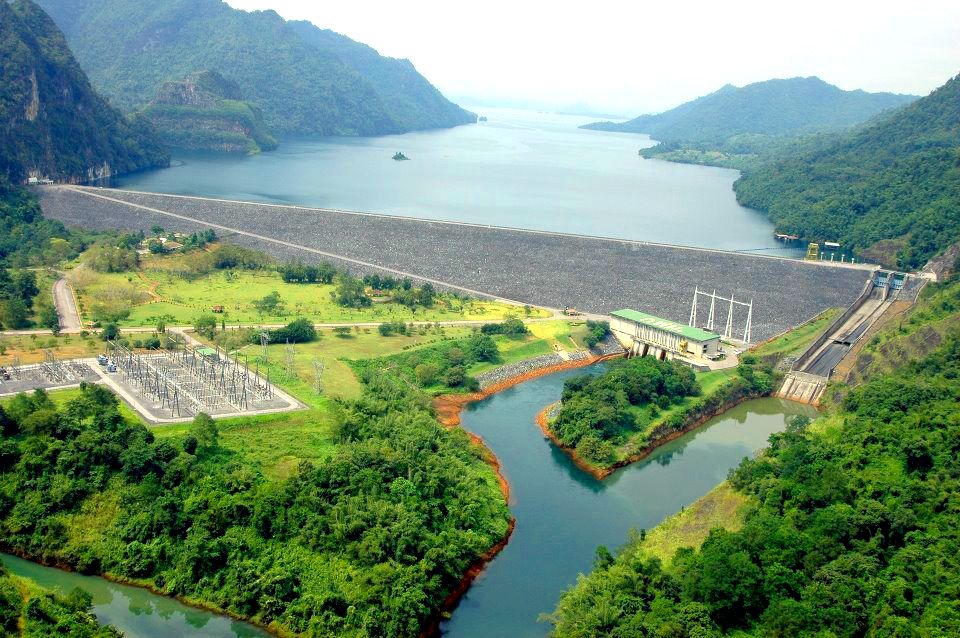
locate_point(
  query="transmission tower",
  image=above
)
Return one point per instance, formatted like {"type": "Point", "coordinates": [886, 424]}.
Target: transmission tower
{"type": "Point", "coordinates": [318, 376]}
{"type": "Point", "coordinates": [290, 353]}
{"type": "Point", "coordinates": [264, 340]}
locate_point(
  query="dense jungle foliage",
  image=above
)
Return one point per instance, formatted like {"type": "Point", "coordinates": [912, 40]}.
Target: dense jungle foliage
{"type": "Point", "coordinates": [439, 368]}
{"type": "Point", "coordinates": [896, 181]}
{"type": "Point", "coordinates": [368, 542]}
{"type": "Point", "coordinates": [771, 108]}
{"type": "Point", "coordinates": [54, 124]}
{"type": "Point", "coordinates": [307, 81]}
{"type": "Point", "coordinates": [26, 238]}
{"type": "Point", "coordinates": [27, 610]}
{"type": "Point", "coordinates": [851, 531]}
{"type": "Point", "coordinates": [600, 411]}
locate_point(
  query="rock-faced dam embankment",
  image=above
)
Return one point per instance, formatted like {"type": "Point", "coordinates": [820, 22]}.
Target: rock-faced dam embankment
{"type": "Point", "coordinates": [549, 269]}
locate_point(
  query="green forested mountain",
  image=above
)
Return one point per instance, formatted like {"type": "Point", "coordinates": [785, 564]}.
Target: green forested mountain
{"type": "Point", "coordinates": [851, 528]}
{"type": "Point", "coordinates": [410, 99]}
{"type": "Point", "coordinates": [206, 111]}
{"type": "Point", "coordinates": [54, 125]}
{"type": "Point", "coordinates": [774, 107]}
{"type": "Point", "coordinates": [328, 86]}
{"type": "Point", "coordinates": [891, 190]}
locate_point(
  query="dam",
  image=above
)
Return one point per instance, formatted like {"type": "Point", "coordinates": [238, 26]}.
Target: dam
{"type": "Point", "coordinates": [557, 270]}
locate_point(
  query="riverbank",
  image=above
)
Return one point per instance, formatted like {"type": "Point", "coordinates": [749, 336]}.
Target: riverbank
{"type": "Point", "coordinates": [149, 586]}
{"type": "Point", "coordinates": [449, 406]}
{"type": "Point", "coordinates": [758, 379]}
{"type": "Point", "coordinates": [448, 409]}
{"type": "Point", "coordinates": [600, 473]}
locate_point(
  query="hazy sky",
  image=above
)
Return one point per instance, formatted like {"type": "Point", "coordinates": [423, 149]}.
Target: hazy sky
{"type": "Point", "coordinates": [638, 56]}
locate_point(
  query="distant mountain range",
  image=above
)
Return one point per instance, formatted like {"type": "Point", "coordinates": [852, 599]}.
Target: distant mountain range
{"type": "Point", "coordinates": [890, 189]}
{"type": "Point", "coordinates": [306, 80]}
{"type": "Point", "coordinates": [774, 107]}
{"type": "Point", "coordinates": [54, 124]}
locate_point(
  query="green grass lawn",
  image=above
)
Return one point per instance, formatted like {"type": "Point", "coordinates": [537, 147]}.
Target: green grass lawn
{"type": "Point", "coordinates": [159, 293]}
{"type": "Point", "coordinates": [30, 348]}
{"type": "Point", "coordinates": [796, 341]}
{"type": "Point", "coordinates": [333, 351]}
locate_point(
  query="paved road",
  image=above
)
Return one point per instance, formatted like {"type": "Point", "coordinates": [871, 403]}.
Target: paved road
{"type": "Point", "coordinates": [557, 315]}
{"type": "Point", "coordinates": [66, 306]}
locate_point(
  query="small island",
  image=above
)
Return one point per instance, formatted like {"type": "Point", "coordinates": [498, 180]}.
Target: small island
{"type": "Point", "coordinates": [400, 156]}
{"type": "Point", "coordinates": [482, 118]}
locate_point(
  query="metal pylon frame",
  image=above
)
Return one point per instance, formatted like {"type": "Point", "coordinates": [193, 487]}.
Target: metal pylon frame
{"type": "Point", "coordinates": [712, 316]}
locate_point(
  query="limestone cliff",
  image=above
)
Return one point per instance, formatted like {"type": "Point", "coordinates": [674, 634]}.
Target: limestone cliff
{"type": "Point", "coordinates": [206, 111]}
{"type": "Point", "coordinates": [54, 125]}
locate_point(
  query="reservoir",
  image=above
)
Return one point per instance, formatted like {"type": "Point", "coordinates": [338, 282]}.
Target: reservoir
{"type": "Point", "coordinates": [521, 169]}
{"type": "Point", "coordinates": [563, 514]}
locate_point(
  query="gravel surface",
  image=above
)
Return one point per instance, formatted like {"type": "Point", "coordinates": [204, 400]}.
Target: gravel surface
{"type": "Point", "coordinates": [555, 270]}
{"type": "Point", "coordinates": [511, 370]}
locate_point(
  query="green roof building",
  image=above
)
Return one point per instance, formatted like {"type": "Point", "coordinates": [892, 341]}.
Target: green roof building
{"type": "Point", "coordinates": [642, 334]}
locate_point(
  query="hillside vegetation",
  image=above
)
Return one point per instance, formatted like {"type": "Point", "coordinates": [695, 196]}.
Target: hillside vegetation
{"type": "Point", "coordinates": [305, 80]}
{"type": "Point", "coordinates": [206, 111]}
{"type": "Point", "coordinates": [890, 191]}
{"type": "Point", "coordinates": [28, 610]}
{"type": "Point", "coordinates": [773, 107]}
{"type": "Point", "coordinates": [367, 540]}
{"type": "Point", "coordinates": [850, 529]}
{"type": "Point", "coordinates": [55, 126]}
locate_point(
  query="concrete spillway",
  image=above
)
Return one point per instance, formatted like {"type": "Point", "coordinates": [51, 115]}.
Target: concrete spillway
{"type": "Point", "coordinates": [549, 269]}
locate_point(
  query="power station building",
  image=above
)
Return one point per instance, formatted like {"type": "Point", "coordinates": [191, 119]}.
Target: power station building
{"type": "Point", "coordinates": [642, 334]}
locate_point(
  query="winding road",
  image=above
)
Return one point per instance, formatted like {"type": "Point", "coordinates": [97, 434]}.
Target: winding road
{"type": "Point", "coordinates": [66, 306]}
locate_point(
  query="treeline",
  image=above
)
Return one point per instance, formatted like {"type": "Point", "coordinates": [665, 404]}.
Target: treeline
{"type": "Point", "coordinates": [351, 292]}
{"type": "Point", "coordinates": [366, 543]}
{"type": "Point", "coordinates": [598, 412]}
{"type": "Point", "coordinates": [890, 191]}
{"type": "Point", "coordinates": [26, 238]}
{"type": "Point", "coordinates": [27, 610]}
{"type": "Point", "coordinates": [852, 531]}
{"type": "Point", "coordinates": [17, 294]}
{"type": "Point", "coordinates": [439, 368]}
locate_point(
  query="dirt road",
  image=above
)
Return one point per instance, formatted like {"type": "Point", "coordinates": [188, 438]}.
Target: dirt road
{"type": "Point", "coordinates": [66, 306]}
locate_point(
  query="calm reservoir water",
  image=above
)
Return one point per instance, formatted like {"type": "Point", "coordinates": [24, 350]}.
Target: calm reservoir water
{"type": "Point", "coordinates": [521, 168]}
{"type": "Point", "coordinates": [133, 610]}
{"type": "Point", "coordinates": [563, 513]}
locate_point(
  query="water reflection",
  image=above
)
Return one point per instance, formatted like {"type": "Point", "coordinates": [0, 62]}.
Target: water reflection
{"type": "Point", "coordinates": [137, 612]}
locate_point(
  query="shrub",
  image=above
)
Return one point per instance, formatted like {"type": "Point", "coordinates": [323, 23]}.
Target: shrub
{"type": "Point", "coordinates": [297, 331]}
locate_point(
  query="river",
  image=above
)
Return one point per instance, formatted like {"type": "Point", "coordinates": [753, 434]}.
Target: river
{"type": "Point", "coordinates": [135, 611]}
{"type": "Point", "coordinates": [521, 168]}
{"type": "Point", "coordinates": [563, 514]}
